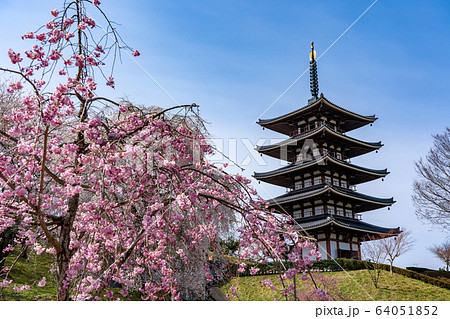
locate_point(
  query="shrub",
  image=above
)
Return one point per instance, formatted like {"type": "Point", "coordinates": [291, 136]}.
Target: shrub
{"type": "Point", "coordinates": [418, 269]}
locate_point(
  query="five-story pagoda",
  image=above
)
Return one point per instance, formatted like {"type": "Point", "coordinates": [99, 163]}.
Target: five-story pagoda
{"type": "Point", "coordinates": [320, 178]}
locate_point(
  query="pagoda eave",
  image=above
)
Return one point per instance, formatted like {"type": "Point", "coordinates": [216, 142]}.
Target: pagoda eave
{"type": "Point", "coordinates": [335, 222]}
{"type": "Point", "coordinates": [284, 176]}
{"type": "Point", "coordinates": [362, 202]}
{"type": "Point", "coordinates": [281, 124]}
{"type": "Point", "coordinates": [353, 146]}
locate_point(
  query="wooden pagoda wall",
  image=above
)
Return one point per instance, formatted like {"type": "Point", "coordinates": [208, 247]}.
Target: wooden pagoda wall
{"type": "Point", "coordinates": [333, 244]}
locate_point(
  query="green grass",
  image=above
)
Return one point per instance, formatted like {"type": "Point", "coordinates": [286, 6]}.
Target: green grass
{"type": "Point", "coordinates": [391, 287]}
{"type": "Point", "coordinates": [30, 271]}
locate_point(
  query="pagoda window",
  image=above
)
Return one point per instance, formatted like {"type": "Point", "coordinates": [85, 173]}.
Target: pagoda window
{"type": "Point", "coordinates": [308, 182]}
{"type": "Point", "coordinates": [316, 152]}
{"type": "Point", "coordinates": [348, 213]}
{"type": "Point", "coordinates": [338, 156]}
{"type": "Point", "coordinates": [344, 184]}
{"type": "Point", "coordinates": [340, 211]}
{"type": "Point", "coordinates": [298, 185]}
{"type": "Point", "coordinates": [325, 151]}
{"type": "Point", "coordinates": [336, 181]}
{"type": "Point", "coordinates": [330, 210]}
{"type": "Point", "coordinates": [317, 180]}
{"type": "Point", "coordinates": [320, 210]}
{"type": "Point", "coordinates": [297, 214]}
{"type": "Point", "coordinates": [328, 180]}
{"type": "Point", "coordinates": [307, 212]}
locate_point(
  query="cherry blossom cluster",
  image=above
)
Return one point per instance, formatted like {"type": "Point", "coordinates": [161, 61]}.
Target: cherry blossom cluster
{"type": "Point", "coordinates": [126, 200]}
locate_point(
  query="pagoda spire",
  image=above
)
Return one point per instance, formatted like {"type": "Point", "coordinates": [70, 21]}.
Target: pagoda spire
{"type": "Point", "coordinates": [313, 78]}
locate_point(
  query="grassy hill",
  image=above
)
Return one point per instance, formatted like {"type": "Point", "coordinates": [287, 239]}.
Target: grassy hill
{"type": "Point", "coordinates": [353, 285]}
{"type": "Point", "coordinates": [29, 271]}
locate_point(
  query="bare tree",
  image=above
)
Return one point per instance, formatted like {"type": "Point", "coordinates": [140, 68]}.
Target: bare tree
{"type": "Point", "coordinates": [432, 188]}
{"type": "Point", "coordinates": [442, 252]}
{"type": "Point", "coordinates": [395, 246]}
{"type": "Point", "coordinates": [374, 253]}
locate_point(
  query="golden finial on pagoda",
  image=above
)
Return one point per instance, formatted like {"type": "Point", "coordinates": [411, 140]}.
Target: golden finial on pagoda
{"type": "Point", "coordinates": [312, 54]}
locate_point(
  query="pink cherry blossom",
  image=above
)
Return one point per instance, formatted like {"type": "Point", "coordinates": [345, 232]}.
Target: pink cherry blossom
{"type": "Point", "coordinates": [99, 48]}
{"type": "Point", "coordinates": [68, 35]}
{"type": "Point", "coordinates": [14, 57]}
{"type": "Point", "coordinates": [254, 270]}
{"type": "Point", "coordinates": [28, 73]}
{"type": "Point", "coordinates": [123, 181]}
{"type": "Point", "coordinates": [5, 283]}
{"type": "Point", "coordinates": [67, 22]}
{"type": "Point", "coordinates": [41, 36]}
{"type": "Point", "coordinates": [28, 35]}
{"type": "Point", "coordinates": [42, 283]}
{"type": "Point", "coordinates": [89, 21]}
{"type": "Point", "coordinates": [15, 86]}
{"type": "Point", "coordinates": [90, 83]}
{"type": "Point", "coordinates": [21, 288]}
{"type": "Point", "coordinates": [110, 82]}
{"type": "Point", "coordinates": [51, 25]}
{"type": "Point", "coordinates": [54, 55]}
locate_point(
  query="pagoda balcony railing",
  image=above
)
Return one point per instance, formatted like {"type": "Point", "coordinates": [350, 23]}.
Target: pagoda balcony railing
{"type": "Point", "coordinates": [356, 216]}
{"type": "Point", "coordinates": [312, 128]}
{"type": "Point", "coordinates": [350, 187]}
{"type": "Point", "coordinates": [341, 159]}
{"type": "Point", "coordinates": [294, 159]}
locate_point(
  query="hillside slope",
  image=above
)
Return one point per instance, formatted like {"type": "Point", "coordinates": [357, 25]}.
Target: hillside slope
{"type": "Point", "coordinates": [353, 285]}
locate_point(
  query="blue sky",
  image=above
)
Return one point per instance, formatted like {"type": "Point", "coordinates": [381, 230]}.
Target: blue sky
{"type": "Point", "coordinates": [234, 58]}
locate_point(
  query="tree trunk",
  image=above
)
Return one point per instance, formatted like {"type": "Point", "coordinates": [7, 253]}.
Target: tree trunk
{"type": "Point", "coordinates": [390, 266]}
{"type": "Point", "coordinates": [63, 257]}
{"type": "Point", "coordinates": [62, 261]}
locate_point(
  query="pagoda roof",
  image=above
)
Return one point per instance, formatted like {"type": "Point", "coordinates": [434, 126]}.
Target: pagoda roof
{"type": "Point", "coordinates": [321, 107]}
{"type": "Point", "coordinates": [320, 221]}
{"type": "Point", "coordinates": [366, 202]}
{"type": "Point", "coordinates": [356, 174]}
{"type": "Point", "coordinates": [356, 147]}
